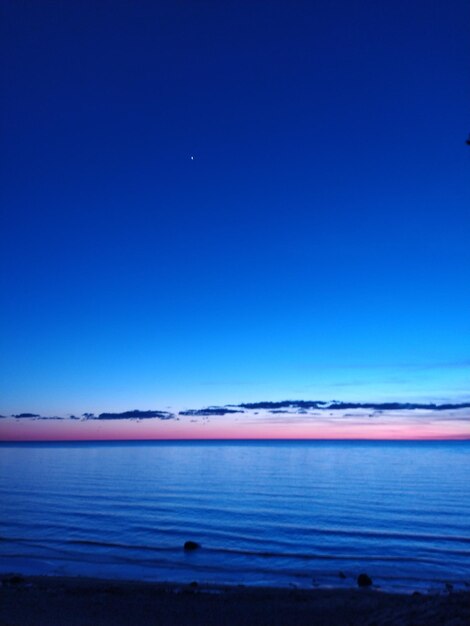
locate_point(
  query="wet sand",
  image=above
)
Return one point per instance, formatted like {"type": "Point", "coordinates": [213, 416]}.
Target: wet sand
{"type": "Point", "coordinates": [54, 601]}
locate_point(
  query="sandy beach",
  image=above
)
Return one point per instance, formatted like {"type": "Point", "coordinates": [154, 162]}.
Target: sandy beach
{"type": "Point", "coordinates": [59, 601]}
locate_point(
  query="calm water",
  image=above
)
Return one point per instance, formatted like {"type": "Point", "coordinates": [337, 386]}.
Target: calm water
{"type": "Point", "coordinates": [275, 513]}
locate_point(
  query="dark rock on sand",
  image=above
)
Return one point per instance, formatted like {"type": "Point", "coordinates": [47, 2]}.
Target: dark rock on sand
{"type": "Point", "coordinates": [13, 579]}
{"type": "Point", "coordinates": [363, 580]}
{"type": "Point", "coordinates": [189, 546]}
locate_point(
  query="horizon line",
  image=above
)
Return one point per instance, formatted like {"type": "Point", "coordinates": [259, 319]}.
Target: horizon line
{"type": "Point", "coordinates": [242, 439]}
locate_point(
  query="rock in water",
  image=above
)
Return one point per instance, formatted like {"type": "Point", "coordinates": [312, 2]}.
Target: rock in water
{"type": "Point", "coordinates": [363, 580]}
{"type": "Point", "coordinates": [189, 546]}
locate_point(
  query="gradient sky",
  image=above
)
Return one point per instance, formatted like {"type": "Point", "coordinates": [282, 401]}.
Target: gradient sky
{"type": "Point", "coordinates": [316, 246]}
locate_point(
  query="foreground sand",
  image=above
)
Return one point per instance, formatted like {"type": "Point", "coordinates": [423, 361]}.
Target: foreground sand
{"type": "Point", "coordinates": [54, 601]}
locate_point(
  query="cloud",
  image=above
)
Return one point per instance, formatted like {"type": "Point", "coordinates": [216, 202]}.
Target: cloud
{"type": "Point", "coordinates": [213, 410]}
{"type": "Point", "coordinates": [135, 414]}
{"type": "Point", "coordinates": [52, 417]}
{"type": "Point", "coordinates": [35, 416]}
{"type": "Point", "coordinates": [338, 405]}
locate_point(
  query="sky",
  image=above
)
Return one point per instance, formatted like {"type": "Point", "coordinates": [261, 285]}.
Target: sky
{"type": "Point", "coordinates": [206, 203]}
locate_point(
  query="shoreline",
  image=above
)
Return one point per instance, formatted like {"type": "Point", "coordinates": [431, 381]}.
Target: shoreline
{"type": "Point", "coordinates": [80, 601]}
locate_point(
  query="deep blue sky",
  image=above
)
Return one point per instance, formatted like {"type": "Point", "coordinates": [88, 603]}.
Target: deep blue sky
{"type": "Point", "coordinates": [315, 247]}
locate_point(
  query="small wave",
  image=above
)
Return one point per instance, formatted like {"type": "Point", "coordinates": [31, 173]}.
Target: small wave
{"type": "Point", "coordinates": [63, 545]}
{"type": "Point", "coordinates": [125, 546]}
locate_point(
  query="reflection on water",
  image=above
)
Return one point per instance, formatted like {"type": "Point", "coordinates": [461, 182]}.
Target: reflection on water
{"type": "Point", "coordinates": [265, 512]}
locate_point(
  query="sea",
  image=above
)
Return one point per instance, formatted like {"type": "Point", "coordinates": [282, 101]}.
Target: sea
{"type": "Point", "coordinates": [301, 514]}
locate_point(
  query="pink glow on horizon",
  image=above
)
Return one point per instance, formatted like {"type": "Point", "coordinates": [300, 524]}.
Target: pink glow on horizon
{"type": "Point", "coordinates": [389, 427]}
